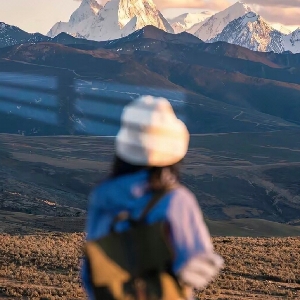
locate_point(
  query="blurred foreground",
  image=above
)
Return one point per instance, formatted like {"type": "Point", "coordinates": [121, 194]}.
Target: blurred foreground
{"type": "Point", "coordinates": [46, 266]}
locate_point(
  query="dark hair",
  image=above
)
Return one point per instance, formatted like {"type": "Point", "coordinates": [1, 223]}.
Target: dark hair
{"type": "Point", "coordinates": [157, 180]}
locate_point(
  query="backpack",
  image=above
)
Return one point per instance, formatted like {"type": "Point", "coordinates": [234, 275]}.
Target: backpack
{"type": "Point", "coordinates": [135, 264]}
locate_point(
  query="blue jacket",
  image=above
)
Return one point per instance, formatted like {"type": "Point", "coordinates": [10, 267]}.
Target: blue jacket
{"type": "Point", "coordinates": [129, 193]}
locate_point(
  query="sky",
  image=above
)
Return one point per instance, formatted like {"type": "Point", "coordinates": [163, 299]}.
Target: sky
{"type": "Point", "coordinates": [41, 15]}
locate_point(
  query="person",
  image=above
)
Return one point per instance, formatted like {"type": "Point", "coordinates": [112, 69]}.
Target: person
{"type": "Point", "coordinates": [149, 149]}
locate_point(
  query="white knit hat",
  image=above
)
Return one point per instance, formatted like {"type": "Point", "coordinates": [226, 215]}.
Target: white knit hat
{"type": "Point", "coordinates": [151, 134]}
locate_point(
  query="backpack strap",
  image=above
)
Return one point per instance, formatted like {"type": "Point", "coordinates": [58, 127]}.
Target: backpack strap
{"type": "Point", "coordinates": [153, 201]}
{"type": "Point", "coordinates": [158, 195]}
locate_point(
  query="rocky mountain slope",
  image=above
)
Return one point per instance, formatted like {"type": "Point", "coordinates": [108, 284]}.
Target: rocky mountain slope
{"type": "Point", "coordinates": [216, 23]}
{"type": "Point", "coordinates": [252, 32]}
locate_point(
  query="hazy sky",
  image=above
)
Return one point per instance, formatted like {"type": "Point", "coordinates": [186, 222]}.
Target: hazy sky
{"type": "Point", "coordinates": [41, 15]}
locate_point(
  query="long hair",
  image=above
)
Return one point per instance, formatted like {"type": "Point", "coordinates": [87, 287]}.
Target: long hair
{"type": "Point", "coordinates": [160, 178]}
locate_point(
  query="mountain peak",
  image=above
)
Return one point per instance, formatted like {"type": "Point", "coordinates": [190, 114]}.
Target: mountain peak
{"type": "Point", "coordinates": [216, 23]}
{"type": "Point", "coordinates": [146, 13]}
{"type": "Point", "coordinates": [87, 9]}
{"type": "Point", "coordinates": [253, 32]}
{"type": "Point", "coordinates": [239, 3]}
{"type": "Point", "coordinates": [238, 6]}
{"type": "Point", "coordinates": [93, 4]}
{"type": "Point", "coordinates": [116, 19]}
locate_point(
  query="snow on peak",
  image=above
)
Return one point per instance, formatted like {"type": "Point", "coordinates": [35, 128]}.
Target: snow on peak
{"type": "Point", "coordinates": [87, 9]}
{"type": "Point", "coordinates": [250, 17]}
{"type": "Point", "coordinates": [216, 23]}
{"type": "Point", "coordinates": [145, 12]}
{"type": "Point", "coordinates": [111, 21]}
{"type": "Point", "coordinates": [188, 20]}
{"type": "Point", "coordinates": [239, 5]}
{"type": "Point", "coordinates": [239, 25]}
{"type": "Point", "coordinates": [252, 32]}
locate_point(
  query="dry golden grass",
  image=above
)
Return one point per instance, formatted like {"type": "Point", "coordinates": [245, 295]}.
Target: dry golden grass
{"type": "Point", "coordinates": [47, 267]}
{"type": "Point", "coordinates": [257, 268]}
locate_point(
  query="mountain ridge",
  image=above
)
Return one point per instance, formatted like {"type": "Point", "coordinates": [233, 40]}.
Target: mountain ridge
{"type": "Point", "coordinates": [216, 23]}
{"type": "Point", "coordinates": [238, 24]}
{"type": "Point", "coordinates": [228, 73]}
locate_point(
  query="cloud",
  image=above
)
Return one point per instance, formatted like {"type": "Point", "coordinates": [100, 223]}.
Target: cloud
{"type": "Point", "coordinates": [204, 4]}
{"type": "Point", "coordinates": [286, 12]}
{"type": "Point", "coordinates": [288, 16]}
{"type": "Point", "coordinates": [276, 3]}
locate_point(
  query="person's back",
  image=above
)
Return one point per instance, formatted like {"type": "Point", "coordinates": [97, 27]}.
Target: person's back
{"type": "Point", "coordinates": [149, 146]}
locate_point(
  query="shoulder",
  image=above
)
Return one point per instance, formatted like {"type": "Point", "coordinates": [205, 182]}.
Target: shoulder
{"type": "Point", "coordinates": [183, 199]}
{"type": "Point", "coordinates": [183, 195]}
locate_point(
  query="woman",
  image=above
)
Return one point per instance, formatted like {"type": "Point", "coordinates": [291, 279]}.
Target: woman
{"type": "Point", "coordinates": [149, 148]}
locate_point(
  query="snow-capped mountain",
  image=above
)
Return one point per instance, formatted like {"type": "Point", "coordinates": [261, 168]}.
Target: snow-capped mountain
{"type": "Point", "coordinates": [12, 35]}
{"type": "Point", "coordinates": [239, 25]}
{"type": "Point", "coordinates": [87, 10]}
{"type": "Point", "coordinates": [252, 32]}
{"type": "Point", "coordinates": [188, 20]}
{"type": "Point", "coordinates": [116, 19]}
{"type": "Point", "coordinates": [210, 28]}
